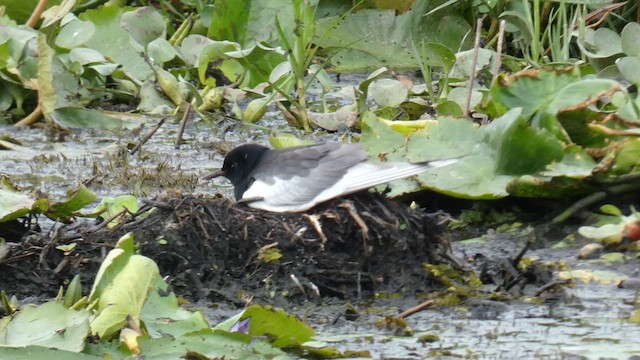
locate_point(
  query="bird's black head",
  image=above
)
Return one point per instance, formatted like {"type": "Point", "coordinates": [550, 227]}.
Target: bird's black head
{"type": "Point", "coordinates": [239, 163]}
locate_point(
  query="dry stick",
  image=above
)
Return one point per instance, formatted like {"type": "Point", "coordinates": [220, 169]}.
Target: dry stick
{"type": "Point", "coordinates": [37, 13]}
{"type": "Point", "coordinates": [107, 221]}
{"type": "Point", "coordinates": [317, 227]}
{"type": "Point", "coordinates": [415, 309]}
{"type": "Point", "coordinates": [147, 137]}
{"type": "Point", "coordinates": [476, 50]}
{"type": "Point", "coordinates": [183, 124]}
{"type": "Point", "coordinates": [499, 51]}
{"type": "Point", "coordinates": [364, 229]}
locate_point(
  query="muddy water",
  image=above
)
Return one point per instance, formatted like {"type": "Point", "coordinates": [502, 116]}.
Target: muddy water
{"type": "Point", "coordinates": [587, 321]}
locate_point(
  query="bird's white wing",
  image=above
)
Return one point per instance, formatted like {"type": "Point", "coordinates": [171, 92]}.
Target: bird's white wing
{"type": "Point", "coordinates": [327, 180]}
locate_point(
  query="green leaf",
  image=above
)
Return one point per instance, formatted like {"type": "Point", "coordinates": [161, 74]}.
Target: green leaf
{"type": "Point", "coordinates": [521, 149]}
{"type": "Point", "coordinates": [246, 22]}
{"type": "Point", "coordinates": [74, 34]}
{"type": "Point", "coordinates": [38, 352]}
{"type": "Point", "coordinates": [163, 317]}
{"type": "Point", "coordinates": [372, 38]}
{"type": "Point", "coordinates": [115, 42]}
{"type": "Point", "coordinates": [629, 67]}
{"type": "Point", "coordinates": [48, 325]}
{"type": "Point", "coordinates": [530, 90]}
{"type": "Point", "coordinates": [288, 140]}
{"type": "Point", "coordinates": [601, 43]}
{"type": "Point", "coordinates": [209, 344]}
{"type": "Point", "coordinates": [215, 53]}
{"type": "Point", "coordinates": [630, 39]}
{"type": "Point", "coordinates": [13, 204]}
{"type": "Point", "coordinates": [281, 328]}
{"type": "Point", "coordinates": [144, 25]}
{"type": "Point", "coordinates": [79, 198]}
{"type": "Point", "coordinates": [388, 92]}
{"type": "Point", "coordinates": [124, 295]}
{"type": "Point", "coordinates": [82, 118]}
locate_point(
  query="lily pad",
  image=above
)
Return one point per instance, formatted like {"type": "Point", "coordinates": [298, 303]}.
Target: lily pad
{"type": "Point", "coordinates": [49, 325]}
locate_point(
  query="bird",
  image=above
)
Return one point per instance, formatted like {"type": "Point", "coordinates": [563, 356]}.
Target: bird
{"type": "Point", "coordinates": [298, 178]}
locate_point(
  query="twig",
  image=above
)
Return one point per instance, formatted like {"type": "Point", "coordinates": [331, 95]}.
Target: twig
{"type": "Point", "coordinates": [37, 13]}
{"type": "Point", "coordinates": [107, 221]}
{"type": "Point", "coordinates": [550, 285]}
{"type": "Point", "coordinates": [516, 260]}
{"type": "Point", "coordinates": [313, 219]}
{"type": "Point", "coordinates": [364, 229]}
{"type": "Point", "coordinates": [297, 283]}
{"type": "Point", "coordinates": [183, 124]}
{"type": "Point", "coordinates": [415, 309]}
{"type": "Point", "coordinates": [476, 50]}
{"type": "Point", "coordinates": [147, 137]}
{"type": "Point", "coordinates": [496, 70]}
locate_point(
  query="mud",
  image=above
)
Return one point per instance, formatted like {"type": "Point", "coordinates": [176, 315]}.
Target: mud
{"type": "Point", "coordinates": [210, 248]}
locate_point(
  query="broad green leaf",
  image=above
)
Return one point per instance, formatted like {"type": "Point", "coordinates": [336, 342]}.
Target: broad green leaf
{"type": "Point", "coordinates": [576, 164]}
{"type": "Point", "coordinates": [144, 24]}
{"type": "Point", "coordinates": [521, 22]}
{"type": "Point", "coordinates": [600, 43]}
{"type": "Point", "coordinates": [532, 90]}
{"type": "Point", "coordinates": [459, 96]}
{"type": "Point", "coordinates": [372, 38]}
{"type": "Point", "coordinates": [247, 22]}
{"type": "Point", "coordinates": [74, 34]}
{"type": "Point", "coordinates": [161, 51]}
{"type": "Point", "coordinates": [629, 67]}
{"type": "Point", "coordinates": [630, 39]}
{"type": "Point", "coordinates": [380, 142]}
{"type": "Point", "coordinates": [287, 140]}
{"type": "Point", "coordinates": [64, 210]}
{"type": "Point", "coordinates": [85, 56]}
{"type": "Point", "coordinates": [258, 62]}
{"type": "Point", "coordinates": [464, 62]}
{"type": "Point", "coordinates": [628, 157]}
{"type": "Point", "coordinates": [582, 93]}
{"type": "Point", "coordinates": [214, 53]}
{"type": "Point", "coordinates": [191, 48]}
{"type": "Point", "coordinates": [82, 118]}
{"type": "Point", "coordinates": [163, 317]}
{"type": "Point", "coordinates": [115, 42]}
{"type": "Point", "coordinates": [13, 203]}
{"type": "Point", "coordinates": [125, 295]}
{"type": "Point", "coordinates": [439, 55]}
{"type": "Point", "coordinates": [444, 138]}
{"type": "Point", "coordinates": [48, 325]}
{"type": "Point", "coordinates": [281, 328]}
{"type": "Point", "coordinates": [388, 92]}
{"type": "Point", "coordinates": [210, 344]}
{"type": "Point", "coordinates": [521, 149]}
{"type": "Point", "coordinates": [112, 265]}
{"type": "Point", "coordinates": [38, 352]}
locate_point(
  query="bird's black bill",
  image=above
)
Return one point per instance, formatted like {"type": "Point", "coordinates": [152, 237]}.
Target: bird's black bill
{"type": "Point", "coordinates": [213, 175]}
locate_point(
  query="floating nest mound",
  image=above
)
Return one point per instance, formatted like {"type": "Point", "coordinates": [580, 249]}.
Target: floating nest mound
{"type": "Point", "coordinates": [209, 247]}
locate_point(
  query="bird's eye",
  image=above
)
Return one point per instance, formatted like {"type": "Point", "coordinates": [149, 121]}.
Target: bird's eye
{"type": "Point", "coordinates": [234, 165]}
